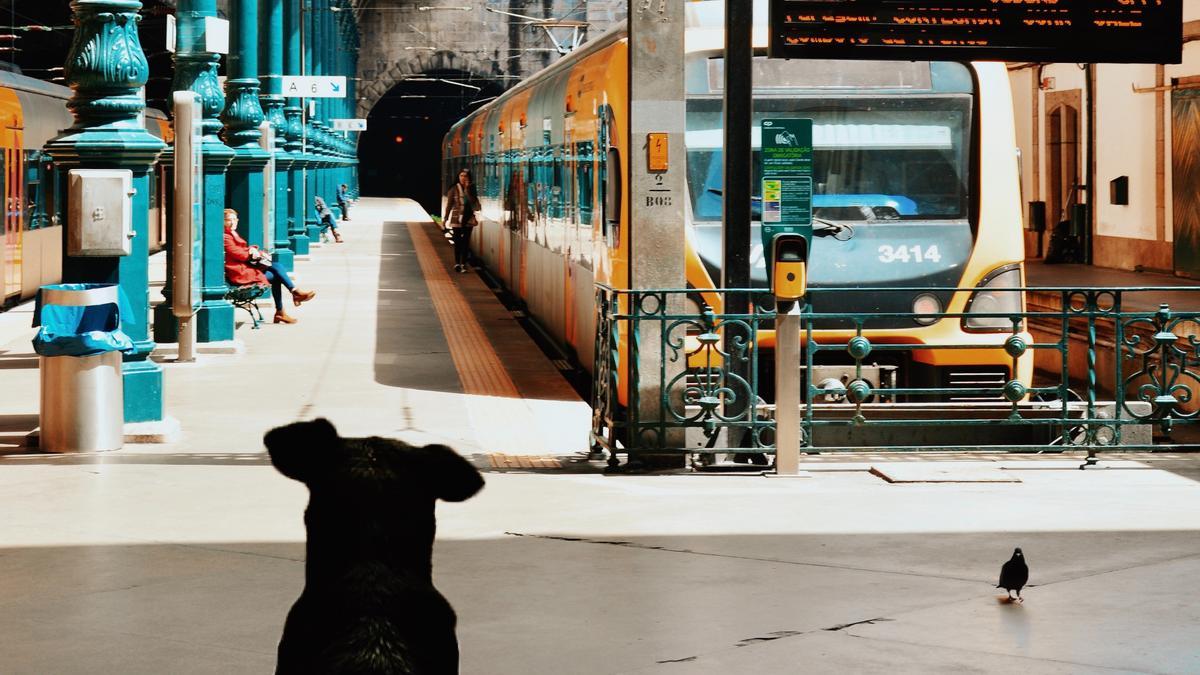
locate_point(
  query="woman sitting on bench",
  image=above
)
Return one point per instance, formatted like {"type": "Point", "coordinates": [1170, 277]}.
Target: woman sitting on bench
{"type": "Point", "coordinates": [246, 265]}
{"type": "Point", "coordinates": [327, 221]}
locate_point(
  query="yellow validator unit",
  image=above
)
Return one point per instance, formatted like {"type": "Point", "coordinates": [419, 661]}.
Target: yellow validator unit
{"type": "Point", "coordinates": [789, 259]}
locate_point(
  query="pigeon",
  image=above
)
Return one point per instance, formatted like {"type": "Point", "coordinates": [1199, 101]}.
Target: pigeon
{"type": "Point", "coordinates": [1014, 574]}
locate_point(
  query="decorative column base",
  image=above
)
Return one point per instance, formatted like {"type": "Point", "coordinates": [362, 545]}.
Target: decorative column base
{"type": "Point", "coordinates": [311, 224]}
{"type": "Point", "coordinates": [299, 233]}
{"type": "Point", "coordinates": [143, 381]}
{"type": "Point", "coordinates": [285, 255]}
{"type": "Point", "coordinates": [214, 321]}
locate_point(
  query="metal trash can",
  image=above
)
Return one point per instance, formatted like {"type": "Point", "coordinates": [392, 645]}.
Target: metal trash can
{"type": "Point", "coordinates": [80, 343]}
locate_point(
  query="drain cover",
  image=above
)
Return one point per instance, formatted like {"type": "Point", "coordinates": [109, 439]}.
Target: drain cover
{"type": "Point", "coordinates": [502, 461]}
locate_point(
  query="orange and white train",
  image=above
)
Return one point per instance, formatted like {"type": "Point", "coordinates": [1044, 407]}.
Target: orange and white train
{"type": "Point", "coordinates": [916, 160]}
{"type": "Point", "coordinates": [31, 113]}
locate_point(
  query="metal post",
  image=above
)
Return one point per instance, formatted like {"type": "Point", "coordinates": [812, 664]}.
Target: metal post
{"type": "Point", "coordinates": [736, 190]}
{"type": "Point", "coordinates": [196, 70]}
{"type": "Point", "coordinates": [787, 389]}
{"type": "Point", "coordinates": [267, 142]}
{"type": "Point", "coordinates": [656, 208]}
{"type": "Point", "coordinates": [188, 219]}
{"type": "Point", "coordinates": [109, 133]}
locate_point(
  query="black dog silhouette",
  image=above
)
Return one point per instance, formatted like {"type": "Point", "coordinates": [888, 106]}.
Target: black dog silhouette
{"type": "Point", "coordinates": [369, 605]}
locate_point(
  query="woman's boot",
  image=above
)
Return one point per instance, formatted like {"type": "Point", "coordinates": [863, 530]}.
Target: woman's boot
{"type": "Point", "coordinates": [280, 317]}
{"type": "Point", "coordinates": [300, 297]}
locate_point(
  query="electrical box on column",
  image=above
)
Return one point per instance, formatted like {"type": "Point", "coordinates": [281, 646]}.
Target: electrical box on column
{"type": "Point", "coordinates": [100, 215]}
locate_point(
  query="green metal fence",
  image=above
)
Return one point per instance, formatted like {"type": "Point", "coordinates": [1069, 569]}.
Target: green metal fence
{"type": "Point", "coordinates": [1131, 387]}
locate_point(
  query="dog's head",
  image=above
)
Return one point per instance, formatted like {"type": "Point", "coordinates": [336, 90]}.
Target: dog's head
{"type": "Point", "coordinates": [373, 478]}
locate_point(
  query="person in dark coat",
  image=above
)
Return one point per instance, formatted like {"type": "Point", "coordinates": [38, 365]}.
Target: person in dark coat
{"type": "Point", "coordinates": [462, 205]}
{"type": "Point", "coordinates": [327, 221]}
{"type": "Point", "coordinates": [246, 265]}
{"type": "Point", "coordinates": [343, 201]}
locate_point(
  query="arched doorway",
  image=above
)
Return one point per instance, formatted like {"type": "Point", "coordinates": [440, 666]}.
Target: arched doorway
{"type": "Point", "coordinates": [1062, 154]}
{"type": "Point", "coordinates": [400, 152]}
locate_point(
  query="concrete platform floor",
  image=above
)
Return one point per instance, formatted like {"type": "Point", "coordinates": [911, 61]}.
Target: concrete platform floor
{"type": "Point", "coordinates": [184, 558]}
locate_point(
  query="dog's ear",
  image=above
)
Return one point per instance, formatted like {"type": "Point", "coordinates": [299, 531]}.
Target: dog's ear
{"type": "Point", "coordinates": [451, 477]}
{"type": "Point", "coordinates": [297, 449]}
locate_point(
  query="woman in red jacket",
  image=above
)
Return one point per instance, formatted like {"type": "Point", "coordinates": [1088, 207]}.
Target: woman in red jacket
{"type": "Point", "coordinates": [246, 265]}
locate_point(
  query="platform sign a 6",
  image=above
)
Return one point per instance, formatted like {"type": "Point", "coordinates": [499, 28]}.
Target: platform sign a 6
{"type": "Point", "coordinates": [787, 156]}
{"type": "Point", "coordinates": [314, 86]}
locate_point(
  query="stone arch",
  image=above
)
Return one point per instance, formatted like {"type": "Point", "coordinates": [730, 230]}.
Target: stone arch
{"type": "Point", "coordinates": [374, 84]}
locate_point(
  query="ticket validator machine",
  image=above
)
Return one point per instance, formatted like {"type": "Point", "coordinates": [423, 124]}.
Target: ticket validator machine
{"type": "Point", "coordinates": [788, 267]}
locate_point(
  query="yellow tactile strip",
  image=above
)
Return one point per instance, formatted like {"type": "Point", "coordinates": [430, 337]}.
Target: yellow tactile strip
{"type": "Point", "coordinates": [479, 367]}
{"type": "Point", "coordinates": [502, 461]}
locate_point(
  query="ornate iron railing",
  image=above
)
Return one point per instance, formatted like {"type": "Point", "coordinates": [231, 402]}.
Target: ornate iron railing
{"type": "Point", "coordinates": [1135, 375]}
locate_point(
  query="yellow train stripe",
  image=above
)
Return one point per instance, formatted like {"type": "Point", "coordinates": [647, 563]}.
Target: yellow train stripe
{"type": "Point", "coordinates": [479, 367]}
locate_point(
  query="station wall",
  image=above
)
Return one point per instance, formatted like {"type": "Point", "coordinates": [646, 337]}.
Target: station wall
{"type": "Point", "coordinates": [409, 39]}
{"type": "Point", "coordinates": [1142, 130]}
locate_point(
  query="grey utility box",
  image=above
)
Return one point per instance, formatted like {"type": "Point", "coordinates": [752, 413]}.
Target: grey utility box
{"type": "Point", "coordinates": [100, 215]}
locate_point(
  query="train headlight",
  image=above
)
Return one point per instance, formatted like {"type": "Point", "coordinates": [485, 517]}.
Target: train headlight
{"type": "Point", "coordinates": [996, 296]}
{"type": "Point", "coordinates": [927, 309]}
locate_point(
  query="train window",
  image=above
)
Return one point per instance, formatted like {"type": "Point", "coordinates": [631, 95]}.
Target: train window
{"type": "Point", "coordinates": [8, 198]}
{"type": "Point", "coordinates": [612, 194]}
{"type": "Point", "coordinates": [583, 173]}
{"type": "Point", "coordinates": [902, 154]}
{"type": "Point", "coordinates": [35, 211]}
{"type": "Point", "coordinates": [556, 196]}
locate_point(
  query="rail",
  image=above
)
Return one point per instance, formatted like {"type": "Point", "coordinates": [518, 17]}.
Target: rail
{"type": "Point", "coordinates": [713, 393]}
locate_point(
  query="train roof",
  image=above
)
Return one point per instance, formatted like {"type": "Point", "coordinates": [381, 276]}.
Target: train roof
{"type": "Point", "coordinates": [615, 34]}
{"type": "Point", "coordinates": [33, 85]}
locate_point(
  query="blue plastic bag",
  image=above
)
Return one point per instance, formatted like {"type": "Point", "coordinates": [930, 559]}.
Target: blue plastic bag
{"type": "Point", "coordinates": [68, 330]}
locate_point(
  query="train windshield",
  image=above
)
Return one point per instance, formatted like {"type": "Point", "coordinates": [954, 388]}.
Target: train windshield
{"type": "Point", "coordinates": [880, 153]}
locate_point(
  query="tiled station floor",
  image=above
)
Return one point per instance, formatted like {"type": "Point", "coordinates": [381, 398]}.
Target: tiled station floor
{"type": "Point", "coordinates": [185, 557]}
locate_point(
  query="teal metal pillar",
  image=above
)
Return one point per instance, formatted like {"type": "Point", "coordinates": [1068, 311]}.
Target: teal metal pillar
{"type": "Point", "coordinates": [196, 70]}
{"type": "Point", "coordinates": [295, 126]}
{"type": "Point", "coordinates": [106, 68]}
{"type": "Point", "coordinates": [243, 115]}
{"type": "Point", "coordinates": [271, 43]}
{"type": "Point", "coordinates": [312, 66]}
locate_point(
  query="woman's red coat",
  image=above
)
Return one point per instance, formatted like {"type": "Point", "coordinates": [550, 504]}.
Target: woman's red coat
{"type": "Point", "coordinates": [238, 271]}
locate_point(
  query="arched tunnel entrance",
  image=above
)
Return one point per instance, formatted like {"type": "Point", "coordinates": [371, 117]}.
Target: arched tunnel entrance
{"type": "Point", "coordinates": [400, 152]}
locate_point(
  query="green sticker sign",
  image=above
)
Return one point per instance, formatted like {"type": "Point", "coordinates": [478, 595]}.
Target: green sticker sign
{"type": "Point", "coordinates": [787, 155]}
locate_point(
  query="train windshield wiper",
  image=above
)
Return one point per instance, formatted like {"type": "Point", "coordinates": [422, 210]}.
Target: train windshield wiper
{"type": "Point", "coordinates": [828, 228]}
{"type": "Point", "coordinates": [822, 227]}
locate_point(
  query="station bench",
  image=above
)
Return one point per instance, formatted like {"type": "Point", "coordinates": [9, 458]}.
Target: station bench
{"type": "Point", "coordinates": [245, 297]}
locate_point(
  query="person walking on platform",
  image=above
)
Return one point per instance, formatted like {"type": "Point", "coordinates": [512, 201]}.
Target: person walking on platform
{"type": "Point", "coordinates": [247, 265]}
{"type": "Point", "coordinates": [343, 202]}
{"type": "Point", "coordinates": [461, 206]}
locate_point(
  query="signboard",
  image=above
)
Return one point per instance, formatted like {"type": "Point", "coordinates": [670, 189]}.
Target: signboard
{"type": "Point", "coordinates": [349, 125]}
{"type": "Point", "coordinates": [314, 86]}
{"type": "Point", "coordinates": [787, 156]}
{"type": "Point", "coordinates": [216, 34]}
{"type": "Point", "coordinates": [1071, 31]}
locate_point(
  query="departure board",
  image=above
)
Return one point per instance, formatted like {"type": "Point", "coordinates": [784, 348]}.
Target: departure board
{"type": "Point", "coordinates": [1070, 31]}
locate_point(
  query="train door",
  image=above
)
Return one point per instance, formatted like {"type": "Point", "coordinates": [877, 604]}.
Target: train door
{"type": "Point", "coordinates": [1185, 180]}
{"type": "Point", "coordinates": [1062, 150]}
{"type": "Point", "coordinates": [13, 203]}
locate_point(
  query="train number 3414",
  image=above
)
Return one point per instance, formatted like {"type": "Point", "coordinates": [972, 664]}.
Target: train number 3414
{"type": "Point", "coordinates": [909, 254]}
